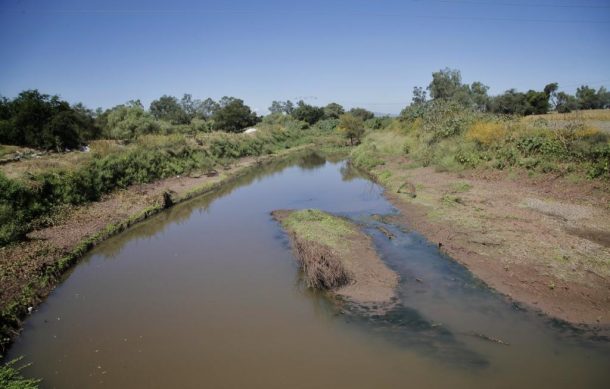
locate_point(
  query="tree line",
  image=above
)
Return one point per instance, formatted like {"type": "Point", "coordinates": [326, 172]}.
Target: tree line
{"type": "Point", "coordinates": [42, 121]}
{"type": "Point", "coordinates": [447, 85]}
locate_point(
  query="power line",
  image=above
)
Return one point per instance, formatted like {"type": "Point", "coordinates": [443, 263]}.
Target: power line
{"type": "Point", "coordinates": [305, 12]}
{"type": "Point", "coordinates": [529, 5]}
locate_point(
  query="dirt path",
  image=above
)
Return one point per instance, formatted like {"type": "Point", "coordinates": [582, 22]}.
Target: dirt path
{"type": "Point", "coordinates": [337, 256]}
{"type": "Point", "coordinates": [543, 241]}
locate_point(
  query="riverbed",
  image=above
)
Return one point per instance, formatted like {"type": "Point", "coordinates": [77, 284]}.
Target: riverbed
{"type": "Point", "coordinates": [207, 294]}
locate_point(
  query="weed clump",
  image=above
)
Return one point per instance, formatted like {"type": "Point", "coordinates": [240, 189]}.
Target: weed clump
{"type": "Point", "coordinates": [319, 240]}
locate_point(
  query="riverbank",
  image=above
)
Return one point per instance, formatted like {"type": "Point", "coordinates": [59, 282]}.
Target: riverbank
{"type": "Point", "coordinates": [542, 239]}
{"type": "Point", "coordinates": [32, 268]}
{"type": "Point", "coordinates": [336, 256]}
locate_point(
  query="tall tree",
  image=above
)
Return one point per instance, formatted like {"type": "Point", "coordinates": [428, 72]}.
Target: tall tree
{"type": "Point", "coordinates": [281, 107]}
{"type": "Point", "coordinates": [445, 84]}
{"type": "Point", "coordinates": [168, 108]}
{"type": "Point", "coordinates": [419, 95]}
{"type": "Point", "coordinates": [551, 91]}
{"type": "Point", "coordinates": [233, 115]}
{"type": "Point", "coordinates": [307, 113]}
{"type": "Point", "coordinates": [479, 97]}
{"type": "Point", "coordinates": [565, 103]}
{"type": "Point", "coordinates": [208, 108]}
{"type": "Point", "coordinates": [362, 114]}
{"type": "Point", "coordinates": [333, 111]}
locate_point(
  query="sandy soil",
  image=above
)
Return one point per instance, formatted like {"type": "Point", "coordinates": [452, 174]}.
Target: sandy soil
{"type": "Point", "coordinates": [544, 241]}
{"type": "Point", "coordinates": [371, 282]}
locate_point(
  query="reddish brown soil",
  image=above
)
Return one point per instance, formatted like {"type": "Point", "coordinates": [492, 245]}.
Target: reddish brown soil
{"type": "Point", "coordinates": [541, 240]}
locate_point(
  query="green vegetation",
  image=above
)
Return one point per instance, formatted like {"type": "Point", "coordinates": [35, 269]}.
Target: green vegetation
{"type": "Point", "coordinates": [459, 127]}
{"type": "Point", "coordinates": [27, 201]}
{"type": "Point", "coordinates": [447, 85]}
{"type": "Point", "coordinates": [38, 120]}
{"type": "Point", "coordinates": [455, 131]}
{"type": "Point", "coordinates": [352, 126]}
{"type": "Point", "coordinates": [320, 241]}
{"type": "Point", "coordinates": [320, 227]}
{"type": "Point", "coordinates": [10, 377]}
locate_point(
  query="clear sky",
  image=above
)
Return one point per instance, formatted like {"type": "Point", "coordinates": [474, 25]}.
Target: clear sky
{"type": "Point", "coordinates": [366, 53]}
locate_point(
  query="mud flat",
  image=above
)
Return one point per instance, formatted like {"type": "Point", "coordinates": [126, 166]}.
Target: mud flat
{"type": "Point", "coordinates": [336, 256]}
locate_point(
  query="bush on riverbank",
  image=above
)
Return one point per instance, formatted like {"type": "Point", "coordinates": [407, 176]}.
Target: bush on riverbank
{"type": "Point", "coordinates": [26, 202]}
{"type": "Point", "coordinates": [10, 377]}
{"type": "Point", "coordinates": [451, 137]}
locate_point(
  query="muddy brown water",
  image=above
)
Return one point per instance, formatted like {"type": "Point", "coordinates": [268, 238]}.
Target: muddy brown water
{"type": "Point", "coordinates": [207, 294]}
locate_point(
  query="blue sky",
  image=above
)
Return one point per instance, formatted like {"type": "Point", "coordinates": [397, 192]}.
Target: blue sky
{"type": "Point", "coordinates": [366, 53]}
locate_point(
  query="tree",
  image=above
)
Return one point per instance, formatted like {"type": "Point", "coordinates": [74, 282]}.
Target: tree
{"type": "Point", "coordinates": [307, 113]}
{"type": "Point", "coordinates": [40, 120]}
{"type": "Point", "coordinates": [565, 103]}
{"type": "Point", "coordinates": [510, 102]}
{"type": "Point", "coordinates": [419, 96]}
{"type": "Point", "coordinates": [233, 115]}
{"type": "Point", "coordinates": [128, 121]}
{"type": "Point", "coordinates": [62, 131]}
{"type": "Point", "coordinates": [362, 113]}
{"type": "Point", "coordinates": [537, 103]}
{"type": "Point", "coordinates": [479, 97]}
{"type": "Point", "coordinates": [276, 107]}
{"type": "Point", "coordinates": [551, 91]}
{"type": "Point", "coordinates": [603, 97]}
{"type": "Point", "coordinates": [283, 107]}
{"type": "Point", "coordinates": [333, 111]}
{"type": "Point", "coordinates": [208, 108]}
{"type": "Point", "coordinates": [445, 84]}
{"type": "Point", "coordinates": [352, 126]}
{"type": "Point", "coordinates": [167, 108]}
{"type": "Point", "coordinates": [192, 108]}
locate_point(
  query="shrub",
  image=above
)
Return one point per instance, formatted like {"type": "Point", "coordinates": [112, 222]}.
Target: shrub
{"type": "Point", "coordinates": [486, 133]}
{"type": "Point", "coordinates": [10, 377]}
{"type": "Point", "coordinates": [327, 125]}
{"type": "Point", "coordinates": [366, 156]}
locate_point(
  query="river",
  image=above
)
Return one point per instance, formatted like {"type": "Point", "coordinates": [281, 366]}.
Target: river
{"type": "Point", "coordinates": [207, 294]}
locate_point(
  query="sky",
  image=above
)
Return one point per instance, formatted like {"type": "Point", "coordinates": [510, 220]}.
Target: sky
{"type": "Point", "coordinates": [367, 53]}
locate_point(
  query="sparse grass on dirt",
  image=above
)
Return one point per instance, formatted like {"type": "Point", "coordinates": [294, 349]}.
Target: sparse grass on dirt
{"type": "Point", "coordinates": [519, 208]}
{"type": "Point", "coordinates": [317, 226]}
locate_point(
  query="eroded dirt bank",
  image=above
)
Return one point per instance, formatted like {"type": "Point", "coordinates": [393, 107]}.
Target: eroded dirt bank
{"type": "Point", "coordinates": [336, 256]}
{"type": "Point", "coordinates": [29, 270]}
{"type": "Point", "coordinates": [543, 241]}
